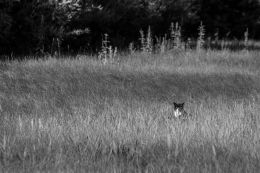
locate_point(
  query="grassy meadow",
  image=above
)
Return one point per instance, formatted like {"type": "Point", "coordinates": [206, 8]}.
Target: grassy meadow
{"type": "Point", "coordinates": [81, 115]}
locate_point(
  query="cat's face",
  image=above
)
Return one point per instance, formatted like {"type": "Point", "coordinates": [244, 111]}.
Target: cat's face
{"type": "Point", "coordinates": [178, 109]}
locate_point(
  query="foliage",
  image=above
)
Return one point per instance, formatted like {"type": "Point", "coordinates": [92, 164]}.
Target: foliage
{"type": "Point", "coordinates": [230, 17]}
{"type": "Point", "coordinates": [78, 25]}
{"type": "Point", "coordinates": [35, 24]}
{"type": "Point", "coordinates": [6, 22]}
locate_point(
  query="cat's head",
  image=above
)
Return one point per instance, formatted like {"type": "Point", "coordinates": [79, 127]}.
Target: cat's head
{"type": "Point", "coordinates": [178, 109]}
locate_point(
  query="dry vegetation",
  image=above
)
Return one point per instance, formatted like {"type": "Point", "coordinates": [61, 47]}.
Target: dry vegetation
{"type": "Point", "coordinates": [78, 115]}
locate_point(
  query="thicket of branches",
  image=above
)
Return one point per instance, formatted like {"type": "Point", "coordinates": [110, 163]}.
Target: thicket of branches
{"type": "Point", "coordinates": [40, 26]}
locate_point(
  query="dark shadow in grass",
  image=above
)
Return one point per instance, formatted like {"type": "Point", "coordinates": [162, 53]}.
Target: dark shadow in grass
{"type": "Point", "coordinates": [162, 86]}
{"type": "Point", "coordinates": [190, 158]}
{"type": "Point", "coordinates": [76, 89]}
{"type": "Point", "coordinates": [157, 157]}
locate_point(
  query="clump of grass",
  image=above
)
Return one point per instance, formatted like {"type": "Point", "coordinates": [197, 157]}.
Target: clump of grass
{"type": "Point", "coordinates": [246, 34]}
{"type": "Point", "coordinates": [201, 38]}
{"type": "Point", "coordinates": [107, 52]}
{"type": "Point", "coordinates": [131, 48]}
{"type": "Point", "coordinates": [176, 35]}
{"type": "Point", "coordinates": [146, 41]}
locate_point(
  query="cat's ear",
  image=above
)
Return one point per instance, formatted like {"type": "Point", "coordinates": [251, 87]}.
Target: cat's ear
{"type": "Point", "coordinates": [182, 104]}
{"type": "Point", "coordinates": [175, 104]}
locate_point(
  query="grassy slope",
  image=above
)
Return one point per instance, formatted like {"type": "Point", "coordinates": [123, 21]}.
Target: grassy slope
{"type": "Point", "coordinates": [77, 114]}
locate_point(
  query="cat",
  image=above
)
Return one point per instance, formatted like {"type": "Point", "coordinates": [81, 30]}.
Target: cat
{"type": "Point", "coordinates": [179, 111]}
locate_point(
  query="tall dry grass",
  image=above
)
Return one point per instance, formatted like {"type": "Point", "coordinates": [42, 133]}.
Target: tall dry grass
{"type": "Point", "coordinates": [78, 115]}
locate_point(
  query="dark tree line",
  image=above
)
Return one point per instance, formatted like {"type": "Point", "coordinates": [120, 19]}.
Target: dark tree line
{"type": "Point", "coordinates": [40, 26]}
